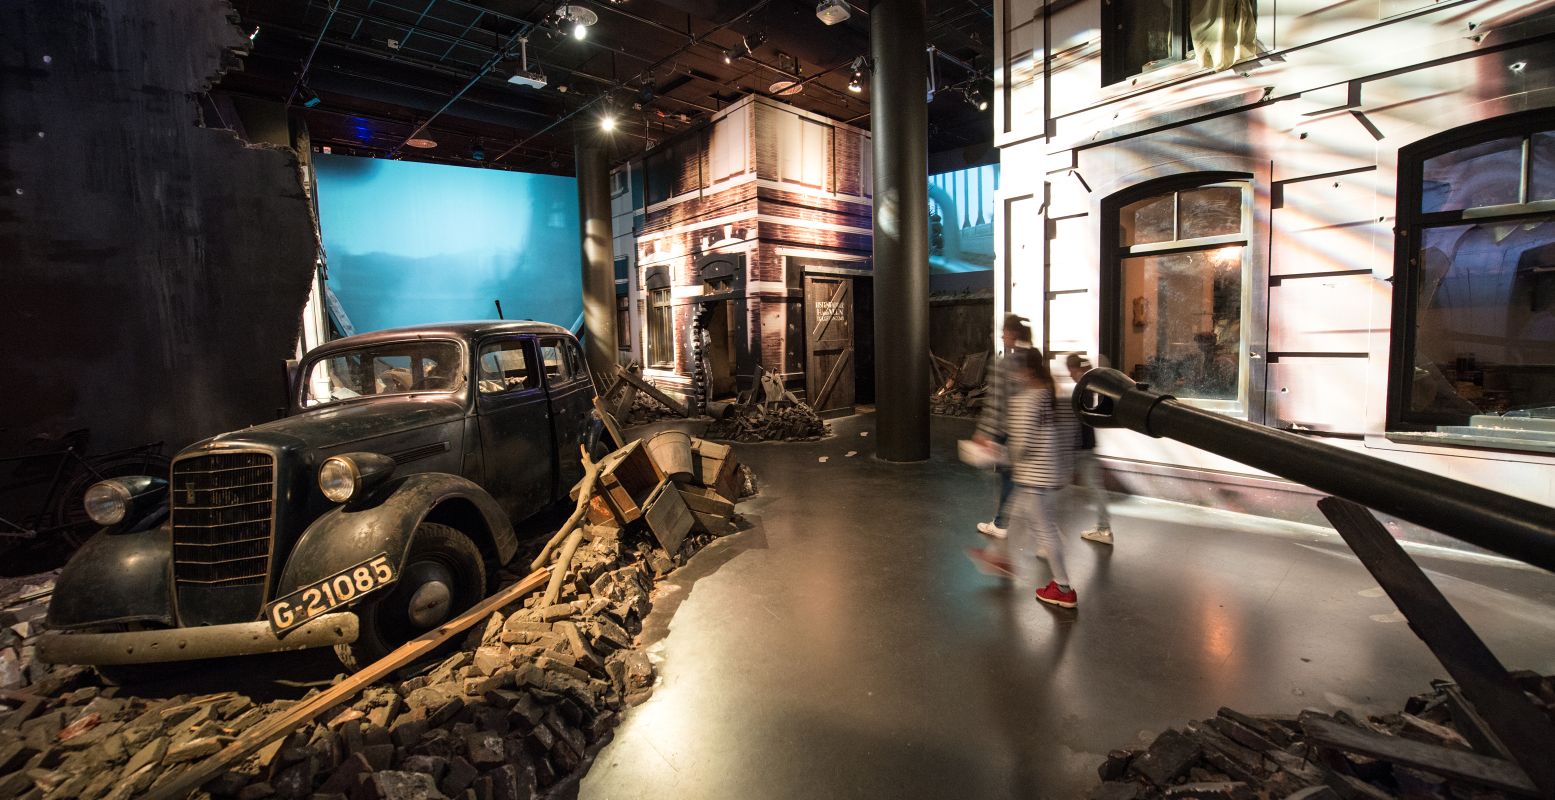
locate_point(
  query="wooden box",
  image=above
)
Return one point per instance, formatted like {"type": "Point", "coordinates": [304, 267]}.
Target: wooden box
{"type": "Point", "coordinates": [627, 478]}
{"type": "Point", "coordinates": [715, 467]}
{"type": "Point", "coordinates": [668, 517]}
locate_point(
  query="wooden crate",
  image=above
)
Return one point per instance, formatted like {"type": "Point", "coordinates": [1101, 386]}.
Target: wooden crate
{"type": "Point", "coordinates": [627, 478]}
{"type": "Point", "coordinates": [707, 501]}
{"type": "Point", "coordinates": [667, 516]}
{"type": "Point", "coordinates": [716, 468]}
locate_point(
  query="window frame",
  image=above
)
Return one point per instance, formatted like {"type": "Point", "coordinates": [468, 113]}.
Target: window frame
{"type": "Point", "coordinates": [1410, 225]}
{"type": "Point", "coordinates": [542, 342]}
{"type": "Point", "coordinates": [658, 327]}
{"type": "Point", "coordinates": [1112, 70]}
{"type": "Point", "coordinates": [525, 344]}
{"type": "Point", "coordinates": [1249, 403]}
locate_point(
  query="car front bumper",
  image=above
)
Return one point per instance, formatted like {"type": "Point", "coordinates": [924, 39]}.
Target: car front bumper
{"type": "Point", "coordinates": [188, 644]}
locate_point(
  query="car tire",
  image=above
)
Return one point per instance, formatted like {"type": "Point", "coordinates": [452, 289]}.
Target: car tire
{"type": "Point", "coordinates": [438, 555]}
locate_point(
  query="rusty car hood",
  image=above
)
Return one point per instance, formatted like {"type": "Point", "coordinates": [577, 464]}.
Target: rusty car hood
{"type": "Point", "coordinates": [340, 424]}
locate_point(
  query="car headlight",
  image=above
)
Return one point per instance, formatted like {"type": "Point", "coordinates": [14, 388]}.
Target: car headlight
{"type": "Point", "coordinates": [345, 477]}
{"type": "Point", "coordinates": [339, 479]}
{"type": "Point", "coordinates": [107, 502]}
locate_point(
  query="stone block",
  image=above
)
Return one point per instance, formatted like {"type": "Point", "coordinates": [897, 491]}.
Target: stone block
{"type": "Point", "coordinates": [400, 785]}
{"type": "Point", "coordinates": [1169, 756]}
{"type": "Point", "coordinates": [458, 777]}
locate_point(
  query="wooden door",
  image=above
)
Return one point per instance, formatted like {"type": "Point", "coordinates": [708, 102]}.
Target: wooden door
{"type": "Point", "coordinates": [828, 303]}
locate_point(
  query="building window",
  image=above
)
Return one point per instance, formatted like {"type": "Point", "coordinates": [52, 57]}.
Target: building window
{"type": "Point", "coordinates": [1143, 35]}
{"type": "Point", "coordinates": [1182, 261]}
{"type": "Point", "coordinates": [661, 329]}
{"type": "Point", "coordinates": [1474, 299]}
{"type": "Point", "coordinates": [623, 323]}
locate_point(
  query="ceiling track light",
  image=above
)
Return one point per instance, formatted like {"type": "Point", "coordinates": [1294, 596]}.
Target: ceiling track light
{"type": "Point", "coordinates": [577, 19]}
{"type": "Point", "coordinates": [856, 83]}
{"type": "Point", "coordinates": [747, 45]}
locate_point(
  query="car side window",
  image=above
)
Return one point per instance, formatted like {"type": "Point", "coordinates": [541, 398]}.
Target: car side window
{"type": "Point", "coordinates": [556, 370]}
{"type": "Point", "coordinates": [575, 359]}
{"type": "Point", "coordinates": [504, 367]}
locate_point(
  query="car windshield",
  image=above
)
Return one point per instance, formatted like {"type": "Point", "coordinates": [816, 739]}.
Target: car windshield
{"type": "Point", "coordinates": [389, 368]}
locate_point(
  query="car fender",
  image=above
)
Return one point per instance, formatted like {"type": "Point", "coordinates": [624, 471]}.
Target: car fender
{"type": "Point", "coordinates": [116, 578]}
{"type": "Point", "coordinates": [384, 521]}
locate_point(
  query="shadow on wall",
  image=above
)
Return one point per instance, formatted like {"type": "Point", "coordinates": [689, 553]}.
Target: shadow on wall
{"type": "Point", "coordinates": [155, 270]}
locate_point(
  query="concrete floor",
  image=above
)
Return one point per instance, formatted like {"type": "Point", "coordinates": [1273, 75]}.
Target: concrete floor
{"type": "Point", "coordinates": [845, 647]}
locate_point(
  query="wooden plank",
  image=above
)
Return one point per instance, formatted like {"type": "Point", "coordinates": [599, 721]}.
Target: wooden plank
{"type": "Point", "coordinates": [609, 421]}
{"type": "Point", "coordinates": [1437, 760]}
{"type": "Point", "coordinates": [707, 501]}
{"type": "Point", "coordinates": [1473, 726]}
{"type": "Point", "coordinates": [1520, 726]}
{"type": "Point", "coordinates": [279, 725]}
{"type": "Point", "coordinates": [653, 391]}
{"type": "Point", "coordinates": [667, 516]}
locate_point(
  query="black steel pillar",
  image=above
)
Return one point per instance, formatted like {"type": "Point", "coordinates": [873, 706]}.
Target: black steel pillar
{"type": "Point", "coordinates": [599, 279]}
{"type": "Point", "coordinates": [899, 120]}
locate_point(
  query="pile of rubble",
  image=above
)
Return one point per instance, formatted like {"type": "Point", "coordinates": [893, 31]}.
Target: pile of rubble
{"type": "Point", "coordinates": [23, 604]}
{"type": "Point", "coordinates": [794, 422]}
{"type": "Point", "coordinates": [645, 409]}
{"type": "Point", "coordinates": [522, 706]}
{"type": "Point", "coordinates": [959, 388]}
{"type": "Point", "coordinates": [1437, 747]}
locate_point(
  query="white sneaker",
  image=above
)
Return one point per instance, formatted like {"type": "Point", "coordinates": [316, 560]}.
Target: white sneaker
{"type": "Point", "coordinates": [1098, 535]}
{"type": "Point", "coordinates": [990, 529]}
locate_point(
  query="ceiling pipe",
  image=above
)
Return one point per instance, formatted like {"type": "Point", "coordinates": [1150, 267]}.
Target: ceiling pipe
{"type": "Point", "coordinates": [760, 4]}
{"type": "Point", "coordinates": [306, 64]}
{"type": "Point", "coordinates": [491, 63]}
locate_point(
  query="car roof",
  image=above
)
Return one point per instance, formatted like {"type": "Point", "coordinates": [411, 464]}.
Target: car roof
{"type": "Point", "coordinates": [471, 329]}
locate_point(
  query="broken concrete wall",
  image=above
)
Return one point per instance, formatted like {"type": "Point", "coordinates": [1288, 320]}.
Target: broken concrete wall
{"type": "Point", "coordinates": [152, 271]}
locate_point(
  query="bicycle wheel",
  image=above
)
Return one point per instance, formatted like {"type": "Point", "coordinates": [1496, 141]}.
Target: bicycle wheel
{"type": "Point", "coordinates": [70, 525]}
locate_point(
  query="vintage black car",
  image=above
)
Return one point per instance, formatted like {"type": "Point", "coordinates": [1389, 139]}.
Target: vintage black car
{"type": "Point", "coordinates": [378, 508]}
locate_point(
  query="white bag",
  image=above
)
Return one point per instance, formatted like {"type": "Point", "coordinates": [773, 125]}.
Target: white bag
{"type": "Point", "coordinates": [983, 455]}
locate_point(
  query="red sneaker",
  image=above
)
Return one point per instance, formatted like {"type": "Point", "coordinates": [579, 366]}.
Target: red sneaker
{"type": "Point", "coordinates": [988, 564]}
{"type": "Point", "coordinates": [1052, 595]}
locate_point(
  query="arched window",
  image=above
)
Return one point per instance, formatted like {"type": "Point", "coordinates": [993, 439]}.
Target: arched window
{"type": "Point", "coordinates": [1179, 292]}
{"type": "Point", "coordinates": [1474, 290]}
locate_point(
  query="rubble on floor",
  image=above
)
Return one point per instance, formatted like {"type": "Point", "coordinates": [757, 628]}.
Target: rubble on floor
{"type": "Point", "coordinates": [519, 708]}
{"type": "Point", "coordinates": [23, 604]}
{"type": "Point", "coordinates": [960, 388]}
{"type": "Point", "coordinates": [1435, 748]}
{"type": "Point", "coordinates": [795, 422]}
{"type": "Point", "coordinates": [645, 409]}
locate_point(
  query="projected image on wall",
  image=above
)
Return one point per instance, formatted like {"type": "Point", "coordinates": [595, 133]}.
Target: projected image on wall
{"type": "Point", "coordinates": [409, 243]}
{"type": "Point", "coordinates": [961, 219]}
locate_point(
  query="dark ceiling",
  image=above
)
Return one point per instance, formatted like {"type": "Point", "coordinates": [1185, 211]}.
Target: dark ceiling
{"type": "Point", "coordinates": [383, 69]}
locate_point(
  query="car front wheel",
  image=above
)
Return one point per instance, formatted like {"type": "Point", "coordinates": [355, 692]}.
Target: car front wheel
{"type": "Point", "coordinates": [443, 575]}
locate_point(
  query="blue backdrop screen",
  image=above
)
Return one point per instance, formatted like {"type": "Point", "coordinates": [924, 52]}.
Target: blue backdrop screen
{"type": "Point", "coordinates": [410, 243]}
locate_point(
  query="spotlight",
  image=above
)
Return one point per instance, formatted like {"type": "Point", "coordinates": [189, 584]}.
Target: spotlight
{"type": "Point", "coordinates": [477, 153]}
{"type": "Point", "coordinates": [975, 97]}
{"type": "Point", "coordinates": [854, 86]}
{"type": "Point", "coordinates": [728, 57]}
{"type": "Point", "coordinates": [607, 122]}
{"type": "Point", "coordinates": [859, 64]}
{"type": "Point", "coordinates": [310, 98]}
{"type": "Point", "coordinates": [579, 17]}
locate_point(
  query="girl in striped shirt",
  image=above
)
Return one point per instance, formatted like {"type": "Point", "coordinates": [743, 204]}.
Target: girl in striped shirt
{"type": "Point", "coordinates": [1041, 454]}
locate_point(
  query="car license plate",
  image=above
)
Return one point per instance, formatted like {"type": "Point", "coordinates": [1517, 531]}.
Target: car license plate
{"type": "Point", "coordinates": [321, 597]}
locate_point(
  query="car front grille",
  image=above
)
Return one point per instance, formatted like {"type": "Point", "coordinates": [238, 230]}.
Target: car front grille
{"type": "Point", "coordinates": [223, 513]}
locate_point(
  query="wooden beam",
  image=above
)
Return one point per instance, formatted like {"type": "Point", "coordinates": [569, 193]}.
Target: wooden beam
{"type": "Point", "coordinates": [1435, 759]}
{"type": "Point", "coordinates": [653, 391]}
{"type": "Point", "coordinates": [609, 421]}
{"type": "Point", "coordinates": [1519, 726]}
{"type": "Point", "coordinates": [279, 725]}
